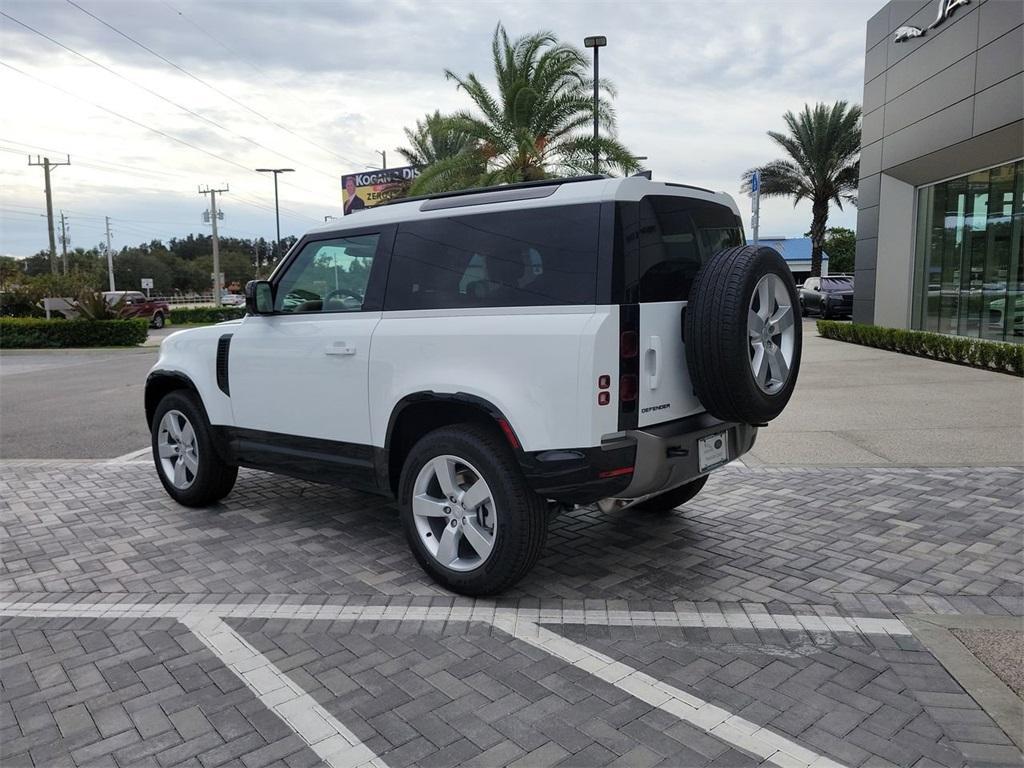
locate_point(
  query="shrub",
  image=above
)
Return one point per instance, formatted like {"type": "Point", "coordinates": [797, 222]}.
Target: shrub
{"type": "Point", "coordinates": [20, 302]}
{"type": "Point", "coordinates": [91, 305]}
{"type": "Point", "coordinates": [33, 333]}
{"type": "Point", "coordinates": [206, 314]}
{"type": "Point", "coordinates": [980, 353]}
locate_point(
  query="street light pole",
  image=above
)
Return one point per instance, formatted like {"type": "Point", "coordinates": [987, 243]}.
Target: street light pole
{"type": "Point", "coordinates": [596, 42]}
{"type": "Point", "coordinates": [277, 209]}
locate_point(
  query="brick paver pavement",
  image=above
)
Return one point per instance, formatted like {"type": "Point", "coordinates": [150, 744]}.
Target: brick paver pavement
{"type": "Point", "coordinates": [774, 599]}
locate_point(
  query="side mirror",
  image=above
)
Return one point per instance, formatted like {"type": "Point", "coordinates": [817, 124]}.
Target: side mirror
{"type": "Point", "coordinates": [259, 297]}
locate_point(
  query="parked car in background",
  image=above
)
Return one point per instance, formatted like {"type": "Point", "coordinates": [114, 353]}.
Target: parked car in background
{"type": "Point", "coordinates": [828, 296]}
{"type": "Point", "coordinates": [228, 299]}
{"type": "Point", "coordinates": [136, 304]}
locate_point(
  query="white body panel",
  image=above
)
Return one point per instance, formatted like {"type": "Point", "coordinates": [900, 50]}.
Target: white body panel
{"type": "Point", "coordinates": [303, 374]}
{"type": "Point", "coordinates": [666, 392]}
{"type": "Point", "coordinates": [535, 365]}
{"type": "Point", "coordinates": [193, 353]}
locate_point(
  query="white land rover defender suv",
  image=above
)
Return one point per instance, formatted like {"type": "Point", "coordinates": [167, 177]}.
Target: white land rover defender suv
{"type": "Point", "coordinates": [489, 356]}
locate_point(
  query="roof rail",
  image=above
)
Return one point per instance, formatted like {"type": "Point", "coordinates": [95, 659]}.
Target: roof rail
{"type": "Point", "coordinates": [498, 187]}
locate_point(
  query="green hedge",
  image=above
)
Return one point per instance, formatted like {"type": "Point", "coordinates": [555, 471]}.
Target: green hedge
{"type": "Point", "coordinates": [980, 353]}
{"type": "Point", "coordinates": [32, 333]}
{"type": "Point", "coordinates": [206, 314]}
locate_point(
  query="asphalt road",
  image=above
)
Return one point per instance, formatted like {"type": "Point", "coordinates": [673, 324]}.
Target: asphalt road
{"type": "Point", "coordinates": [73, 404]}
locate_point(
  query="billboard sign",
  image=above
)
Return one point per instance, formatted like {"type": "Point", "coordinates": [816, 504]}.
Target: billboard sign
{"type": "Point", "coordinates": [366, 189]}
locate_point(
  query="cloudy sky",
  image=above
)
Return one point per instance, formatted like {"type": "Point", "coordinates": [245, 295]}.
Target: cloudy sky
{"type": "Point", "coordinates": [152, 98]}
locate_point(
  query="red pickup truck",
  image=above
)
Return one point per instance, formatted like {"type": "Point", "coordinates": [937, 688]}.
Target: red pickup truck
{"type": "Point", "coordinates": [137, 305]}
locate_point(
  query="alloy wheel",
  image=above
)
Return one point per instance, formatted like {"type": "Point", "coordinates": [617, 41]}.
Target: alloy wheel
{"type": "Point", "coordinates": [771, 334]}
{"type": "Point", "coordinates": [454, 512]}
{"type": "Point", "coordinates": [178, 449]}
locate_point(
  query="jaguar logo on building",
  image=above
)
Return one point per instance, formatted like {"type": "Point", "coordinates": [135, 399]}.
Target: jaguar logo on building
{"type": "Point", "coordinates": [946, 8]}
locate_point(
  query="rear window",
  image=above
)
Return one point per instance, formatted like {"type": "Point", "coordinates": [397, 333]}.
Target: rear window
{"type": "Point", "coordinates": [525, 258]}
{"type": "Point", "coordinates": [836, 283]}
{"type": "Point", "coordinates": [663, 240]}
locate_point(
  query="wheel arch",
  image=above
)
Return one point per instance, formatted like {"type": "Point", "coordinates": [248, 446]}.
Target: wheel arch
{"type": "Point", "coordinates": [161, 383]}
{"type": "Point", "coordinates": [419, 413]}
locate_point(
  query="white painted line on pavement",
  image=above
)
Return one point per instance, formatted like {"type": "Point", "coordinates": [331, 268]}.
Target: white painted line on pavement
{"type": "Point", "coordinates": [333, 743]}
{"type": "Point", "coordinates": [732, 729]}
{"type": "Point", "coordinates": [480, 611]}
{"type": "Point", "coordinates": [130, 457]}
{"type": "Point", "coordinates": [338, 746]}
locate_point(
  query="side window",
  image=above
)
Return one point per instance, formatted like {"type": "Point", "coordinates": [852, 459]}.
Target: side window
{"type": "Point", "coordinates": [534, 257]}
{"type": "Point", "coordinates": [328, 276]}
{"type": "Point", "coordinates": [664, 241]}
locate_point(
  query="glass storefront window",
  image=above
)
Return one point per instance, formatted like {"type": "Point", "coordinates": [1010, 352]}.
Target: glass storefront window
{"type": "Point", "coordinates": [969, 264]}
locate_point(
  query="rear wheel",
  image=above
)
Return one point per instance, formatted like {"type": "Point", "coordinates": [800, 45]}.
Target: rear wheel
{"type": "Point", "coordinates": [742, 337]}
{"type": "Point", "coordinates": [186, 460]}
{"type": "Point", "coordinates": [158, 320]}
{"type": "Point", "coordinates": [470, 519]}
{"type": "Point", "coordinates": [668, 501]}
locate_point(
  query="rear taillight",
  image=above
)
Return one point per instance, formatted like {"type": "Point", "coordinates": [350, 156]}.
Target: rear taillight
{"type": "Point", "coordinates": [629, 345]}
{"type": "Point", "coordinates": [628, 388]}
{"type": "Point", "coordinates": [629, 365]}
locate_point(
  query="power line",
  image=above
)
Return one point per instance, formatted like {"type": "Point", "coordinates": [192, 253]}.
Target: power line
{"type": "Point", "coordinates": [150, 91]}
{"type": "Point", "coordinates": [156, 172]}
{"type": "Point", "coordinates": [206, 84]}
{"type": "Point", "coordinates": [157, 131]}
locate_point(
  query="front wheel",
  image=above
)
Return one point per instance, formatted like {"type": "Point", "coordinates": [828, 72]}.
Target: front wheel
{"type": "Point", "coordinates": [186, 460]}
{"type": "Point", "coordinates": [668, 501]}
{"type": "Point", "coordinates": [470, 519]}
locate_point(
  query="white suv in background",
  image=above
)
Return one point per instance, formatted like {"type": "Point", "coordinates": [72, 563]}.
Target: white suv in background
{"type": "Point", "coordinates": [489, 356]}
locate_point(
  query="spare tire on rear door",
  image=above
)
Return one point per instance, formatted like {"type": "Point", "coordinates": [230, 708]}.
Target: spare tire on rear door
{"type": "Point", "coordinates": [742, 334]}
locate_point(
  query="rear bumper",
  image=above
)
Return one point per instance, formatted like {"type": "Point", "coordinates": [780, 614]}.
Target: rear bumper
{"type": "Point", "coordinates": [667, 455]}
{"type": "Point", "coordinates": [635, 463]}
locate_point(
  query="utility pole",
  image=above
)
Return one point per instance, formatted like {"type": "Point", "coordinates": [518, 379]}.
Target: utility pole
{"type": "Point", "coordinates": [47, 166]}
{"type": "Point", "coordinates": [217, 288]}
{"type": "Point", "coordinates": [64, 242]}
{"type": "Point", "coordinates": [383, 158]}
{"type": "Point", "coordinates": [277, 209]}
{"type": "Point", "coordinates": [110, 257]}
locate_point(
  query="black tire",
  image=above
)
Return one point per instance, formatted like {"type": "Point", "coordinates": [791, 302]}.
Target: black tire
{"type": "Point", "coordinates": [668, 501]}
{"type": "Point", "coordinates": [214, 478]}
{"type": "Point", "coordinates": [825, 314]}
{"type": "Point", "coordinates": [718, 350]}
{"type": "Point", "coordinates": [521, 515]}
{"type": "Point", "coordinates": [158, 320]}
{"type": "Point", "coordinates": [803, 309]}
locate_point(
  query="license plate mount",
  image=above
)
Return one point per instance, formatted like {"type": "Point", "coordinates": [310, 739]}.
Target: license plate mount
{"type": "Point", "coordinates": [713, 451]}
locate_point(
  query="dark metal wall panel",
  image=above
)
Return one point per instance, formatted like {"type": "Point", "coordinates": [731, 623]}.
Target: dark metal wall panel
{"type": "Point", "coordinates": [939, 49]}
{"type": "Point", "coordinates": [953, 84]}
{"type": "Point", "coordinates": [1000, 59]}
{"type": "Point", "coordinates": [999, 105]}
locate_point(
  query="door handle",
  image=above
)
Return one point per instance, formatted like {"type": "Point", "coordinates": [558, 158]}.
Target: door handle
{"type": "Point", "coordinates": [339, 348]}
{"type": "Point", "coordinates": [653, 351]}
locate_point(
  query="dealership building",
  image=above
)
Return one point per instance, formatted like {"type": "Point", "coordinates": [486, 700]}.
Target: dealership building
{"type": "Point", "coordinates": [940, 245]}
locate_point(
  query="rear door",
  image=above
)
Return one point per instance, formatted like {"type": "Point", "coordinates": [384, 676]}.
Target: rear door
{"type": "Point", "coordinates": [666, 240]}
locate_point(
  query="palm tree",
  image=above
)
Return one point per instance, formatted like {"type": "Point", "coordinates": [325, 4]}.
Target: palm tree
{"type": "Point", "coordinates": [435, 138]}
{"type": "Point", "coordinates": [823, 145]}
{"type": "Point", "coordinates": [536, 125]}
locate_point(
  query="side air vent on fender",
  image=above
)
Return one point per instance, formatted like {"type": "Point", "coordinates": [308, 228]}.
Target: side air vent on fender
{"type": "Point", "coordinates": [223, 344]}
